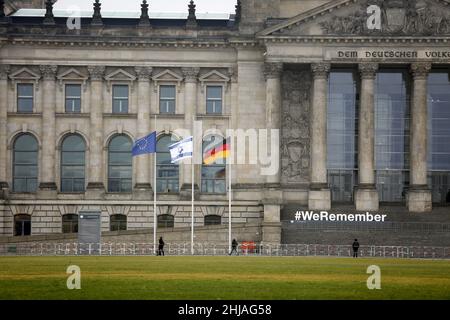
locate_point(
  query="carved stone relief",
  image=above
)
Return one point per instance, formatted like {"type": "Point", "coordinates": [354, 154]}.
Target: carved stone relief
{"type": "Point", "coordinates": [295, 148]}
{"type": "Point", "coordinates": [398, 17]}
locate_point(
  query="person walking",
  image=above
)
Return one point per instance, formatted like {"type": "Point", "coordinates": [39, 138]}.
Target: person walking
{"type": "Point", "coordinates": [355, 248]}
{"type": "Point", "coordinates": [234, 245]}
{"type": "Point", "coordinates": [161, 247]}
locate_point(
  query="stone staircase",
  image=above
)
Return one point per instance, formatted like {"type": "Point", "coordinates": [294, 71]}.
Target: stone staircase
{"type": "Point", "coordinates": [400, 229]}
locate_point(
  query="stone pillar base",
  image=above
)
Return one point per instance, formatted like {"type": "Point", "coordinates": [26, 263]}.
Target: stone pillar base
{"type": "Point", "coordinates": [95, 191]}
{"type": "Point", "coordinates": [367, 199]}
{"type": "Point", "coordinates": [319, 199]}
{"type": "Point", "coordinates": [186, 192]}
{"type": "Point", "coordinates": [143, 191]}
{"type": "Point", "coordinates": [47, 190]}
{"type": "Point", "coordinates": [419, 200]}
{"type": "Point", "coordinates": [271, 233]}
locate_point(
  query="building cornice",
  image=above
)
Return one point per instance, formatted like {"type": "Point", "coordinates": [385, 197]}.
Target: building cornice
{"type": "Point", "coordinates": [352, 40]}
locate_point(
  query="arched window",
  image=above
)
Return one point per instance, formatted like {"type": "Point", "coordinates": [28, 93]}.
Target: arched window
{"type": "Point", "coordinates": [70, 223]}
{"type": "Point", "coordinates": [120, 164]}
{"type": "Point", "coordinates": [22, 225]}
{"type": "Point", "coordinates": [212, 220]}
{"type": "Point", "coordinates": [213, 168]}
{"type": "Point", "coordinates": [73, 164]}
{"type": "Point", "coordinates": [118, 222]}
{"type": "Point", "coordinates": [167, 175]}
{"type": "Point", "coordinates": [25, 164]}
{"type": "Point", "coordinates": [166, 221]}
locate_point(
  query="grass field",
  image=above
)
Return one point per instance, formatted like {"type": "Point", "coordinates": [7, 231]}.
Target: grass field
{"type": "Point", "coordinates": [211, 278]}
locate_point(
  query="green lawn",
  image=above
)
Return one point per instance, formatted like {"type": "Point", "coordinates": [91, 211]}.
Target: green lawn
{"type": "Point", "coordinates": [242, 278]}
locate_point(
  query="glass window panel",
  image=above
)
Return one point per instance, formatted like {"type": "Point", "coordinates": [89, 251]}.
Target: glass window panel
{"type": "Point", "coordinates": [73, 143]}
{"type": "Point", "coordinates": [20, 185]}
{"type": "Point", "coordinates": [25, 169]}
{"type": "Point", "coordinates": [213, 220]}
{"type": "Point", "coordinates": [25, 157]}
{"type": "Point", "coordinates": [342, 120]}
{"type": "Point", "coordinates": [120, 91]}
{"type": "Point", "coordinates": [73, 105]}
{"type": "Point", "coordinates": [166, 221]}
{"type": "Point", "coordinates": [73, 90]}
{"type": "Point", "coordinates": [26, 142]}
{"type": "Point", "coordinates": [120, 165]}
{"type": "Point", "coordinates": [120, 106]}
{"type": "Point", "coordinates": [438, 121]}
{"type": "Point", "coordinates": [25, 90]}
{"type": "Point", "coordinates": [392, 113]}
{"type": "Point", "coordinates": [73, 164]}
{"type": "Point", "coordinates": [167, 173]}
{"type": "Point", "coordinates": [120, 143]}
{"type": "Point", "coordinates": [214, 92]}
{"type": "Point", "coordinates": [167, 92]}
{"type": "Point", "coordinates": [342, 115]}
{"type": "Point", "coordinates": [25, 105]}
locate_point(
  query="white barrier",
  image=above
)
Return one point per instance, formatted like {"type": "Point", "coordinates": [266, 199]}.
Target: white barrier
{"type": "Point", "coordinates": [207, 249]}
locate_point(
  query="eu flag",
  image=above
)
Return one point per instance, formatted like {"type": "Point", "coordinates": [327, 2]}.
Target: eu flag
{"type": "Point", "coordinates": [145, 145]}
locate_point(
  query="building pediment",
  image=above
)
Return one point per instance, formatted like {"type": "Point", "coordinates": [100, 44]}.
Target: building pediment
{"type": "Point", "coordinates": [120, 75]}
{"type": "Point", "coordinates": [399, 18]}
{"type": "Point", "coordinates": [24, 74]}
{"type": "Point", "coordinates": [214, 76]}
{"type": "Point", "coordinates": [72, 74]}
{"type": "Point", "coordinates": [167, 75]}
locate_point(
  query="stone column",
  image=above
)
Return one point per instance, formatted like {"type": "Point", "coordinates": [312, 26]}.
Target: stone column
{"type": "Point", "coordinates": [366, 197]}
{"type": "Point", "coordinates": [190, 110]}
{"type": "Point", "coordinates": [271, 228]}
{"type": "Point", "coordinates": [47, 186]}
{"type": "Point", "coordinates": [96, 188]}
{"type": "Point", "coordinates": [273, 109]}
{"type": "Point", "coordinates": [319, 195]}
{"type": "Point", "coordinates": [4, 187]}
{"type": "Point", "coordinates": [419, 196]}
{"type": "Point", "coordinates": [143, 189]}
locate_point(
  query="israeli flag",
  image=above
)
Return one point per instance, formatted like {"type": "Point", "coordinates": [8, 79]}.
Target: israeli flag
{"type": "Point", "coordinates": [182, 150]}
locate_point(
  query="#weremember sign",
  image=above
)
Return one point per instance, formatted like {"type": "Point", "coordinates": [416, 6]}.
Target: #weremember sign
{"type": "Point", "coordinates": [338, 217]}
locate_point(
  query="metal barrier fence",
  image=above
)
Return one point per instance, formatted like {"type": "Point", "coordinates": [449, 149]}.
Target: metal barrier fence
{"type": "Point", "coordinates": [369, 226]}
{"type": "Point", "coordinates": [208, 249]}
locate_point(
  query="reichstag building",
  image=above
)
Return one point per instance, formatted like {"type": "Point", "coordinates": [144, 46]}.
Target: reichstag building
{"type": "Point", "coordinates": [363, 113]}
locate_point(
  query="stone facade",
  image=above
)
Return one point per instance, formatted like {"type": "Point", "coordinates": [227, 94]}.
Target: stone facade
{"type": "Point", "coordinates": [272, 61]}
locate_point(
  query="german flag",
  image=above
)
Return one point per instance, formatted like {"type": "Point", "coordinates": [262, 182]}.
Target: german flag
{"type": "Point", "coordinates": [218, 152]}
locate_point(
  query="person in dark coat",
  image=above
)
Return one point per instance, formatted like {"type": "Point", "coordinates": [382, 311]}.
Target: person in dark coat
{"type": "Point", "coordinates": [234, 245]}
{"type": "Point", "coordinates": [355, 248]}
{"type": "Point", "coordinates": [161, 247]}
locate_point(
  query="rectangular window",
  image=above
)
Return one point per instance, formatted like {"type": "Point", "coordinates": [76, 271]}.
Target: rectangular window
{"type": "Point", "coordinates": [25, 97]}
{"type": "Point", "coordinates": [392, 120]}
{"type": "Point", "coordinates": [439, 135]}
{"type": "Point", "coordinates": [73, 98]}
{"type": "Point", "coordinates": [167, 99]}
{"type": "Point", "coordinates": [120, 98]}
{"type": "Point", "coordinates": [214, 100]}
{"type": "Point", "coordinates": [342, 133]}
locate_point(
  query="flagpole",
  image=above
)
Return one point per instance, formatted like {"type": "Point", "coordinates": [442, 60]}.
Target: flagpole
{"type": "Point", "coordinates": [229, 201]}
{"type": "Point", "coordinates": [154, 197]}
{"type": "Point", "coordinates": [192, 209]}
{"type": "Point", "coordinates": [192, 188]}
